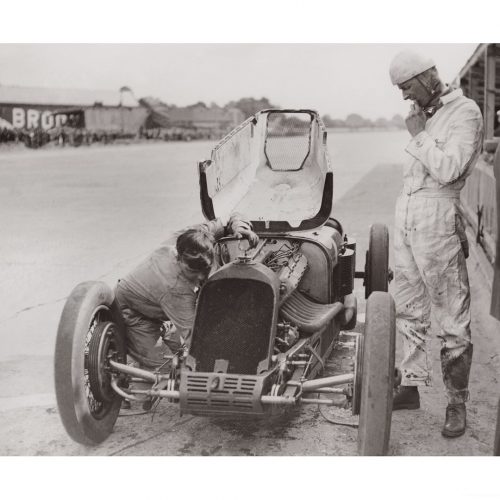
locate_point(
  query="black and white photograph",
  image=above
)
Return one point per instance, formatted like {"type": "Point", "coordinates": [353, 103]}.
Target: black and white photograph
{"type": "Point", "coordinates": [266, 249]}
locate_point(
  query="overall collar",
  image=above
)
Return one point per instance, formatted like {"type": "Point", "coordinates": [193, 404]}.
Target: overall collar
{"type": "Point", "coordinates": [447, 97]}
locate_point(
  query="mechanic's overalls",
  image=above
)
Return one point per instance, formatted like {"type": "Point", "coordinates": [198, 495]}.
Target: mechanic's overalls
{"type": "Point", "coordinates": [430, 246]}
{"type": "Point", "coordinates": [156, 291]}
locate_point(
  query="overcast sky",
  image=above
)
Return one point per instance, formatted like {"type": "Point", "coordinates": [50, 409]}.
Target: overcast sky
{"type": "Point", "coordinates": [335, 79]}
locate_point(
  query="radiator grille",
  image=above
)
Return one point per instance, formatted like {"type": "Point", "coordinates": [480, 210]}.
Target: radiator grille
{"type": "Point", "coordinates": [234, 322]}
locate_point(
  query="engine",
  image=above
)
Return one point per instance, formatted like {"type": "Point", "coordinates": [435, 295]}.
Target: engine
{"type": "Point", "coordinates": [289, 264]}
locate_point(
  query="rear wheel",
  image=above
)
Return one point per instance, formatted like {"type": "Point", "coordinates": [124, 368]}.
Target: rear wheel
{"type": "Point", "coordinates": [377, 260]}
{"type": "Point", "coordinates": [378, 375]}
{"type": "Point", "coordinates": [496, 446]}
{"type": "Point", "coordinates": [87, 338]}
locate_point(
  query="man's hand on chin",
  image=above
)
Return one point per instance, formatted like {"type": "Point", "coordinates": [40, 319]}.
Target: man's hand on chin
{"type": "Point", "coordinates": [416, 120]}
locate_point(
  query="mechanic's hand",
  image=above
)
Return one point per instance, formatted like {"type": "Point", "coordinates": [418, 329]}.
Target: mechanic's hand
{"type": "Point", "coordinates": [416, 119]}
{"type": "Point", "coordinates": [243, 229]}
{"type": "Point", "coordinates": [248, 234]}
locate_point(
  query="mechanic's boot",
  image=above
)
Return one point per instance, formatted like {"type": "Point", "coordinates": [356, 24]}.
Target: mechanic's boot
{"type": "Point", "coordinates": [406, 397]}
{"type": "Point", "coordinates": [454, 425]}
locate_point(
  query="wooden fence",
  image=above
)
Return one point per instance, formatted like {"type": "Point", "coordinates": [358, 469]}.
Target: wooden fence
{"type": "Point", "coordinates": [479, 202]}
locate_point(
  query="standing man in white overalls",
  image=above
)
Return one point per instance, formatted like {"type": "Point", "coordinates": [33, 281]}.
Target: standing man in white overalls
{"type": "Point", "coordinates": [430, 245]}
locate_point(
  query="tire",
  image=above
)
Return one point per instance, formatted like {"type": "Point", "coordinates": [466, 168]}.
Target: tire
{"type": "Point", "coordinates": [378, 375]}
{"type": "Point", "coordinates": [377, 260]}
{"type": "Point", "coordinates": [89, 331]}
{"type": "Point", "coordinates": [496, 446]}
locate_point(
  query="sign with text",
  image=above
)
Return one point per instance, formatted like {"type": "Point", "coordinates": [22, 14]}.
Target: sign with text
{"type": "Point", "coordinates": [30, 117]}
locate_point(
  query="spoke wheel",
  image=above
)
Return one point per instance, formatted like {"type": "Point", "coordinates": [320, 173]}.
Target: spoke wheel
{"type": "Point", "coordinates": [104, 344]}
{"type": "Point", "coordinates": [88, 336]}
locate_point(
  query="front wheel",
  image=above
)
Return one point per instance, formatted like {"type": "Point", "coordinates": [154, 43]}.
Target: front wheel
{"type": "Point", "coordinates": [88, 336]}
{"type": "Point", "coordinates": [378, 375]}
{"type": "Point", "coordinates": [496, 446]}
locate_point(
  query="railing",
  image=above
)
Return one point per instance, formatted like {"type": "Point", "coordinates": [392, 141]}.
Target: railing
{"type": "Point", "coordinates": [479, 202]}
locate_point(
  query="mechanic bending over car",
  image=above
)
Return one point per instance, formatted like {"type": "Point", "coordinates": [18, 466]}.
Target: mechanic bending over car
{"type": "Point", "coordinates": [429, 238]}
{"type": "Point", "coordinates": [164, 287]}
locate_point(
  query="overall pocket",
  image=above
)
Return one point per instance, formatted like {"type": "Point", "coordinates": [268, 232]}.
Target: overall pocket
{"type": "Point", "coordinates": [462, 234]}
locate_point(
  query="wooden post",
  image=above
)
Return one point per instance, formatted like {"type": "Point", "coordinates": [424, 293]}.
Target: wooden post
{"type": "Point", "coordinates": [489, 91]}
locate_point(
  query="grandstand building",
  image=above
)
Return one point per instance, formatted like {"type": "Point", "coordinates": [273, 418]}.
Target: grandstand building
{"type": "Point", "coordinates": [34, 107]}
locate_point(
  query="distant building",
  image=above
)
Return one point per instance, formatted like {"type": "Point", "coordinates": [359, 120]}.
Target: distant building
{"type": "Point", "coordinates": [28, 108]}
{"type": "Point", "coordinates": [480, 80]}
{"type": "Point", "coordinates": [33, 107]}
{"type": "Point", "coordinates": [202, 118]}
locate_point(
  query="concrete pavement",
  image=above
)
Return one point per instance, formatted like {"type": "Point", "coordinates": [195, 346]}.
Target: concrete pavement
{"type": "Point", "coordinates": [28, 417]}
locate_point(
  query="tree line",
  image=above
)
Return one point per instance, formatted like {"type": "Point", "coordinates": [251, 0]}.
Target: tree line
{"type": "Point", "coordinates": [354, 121]}
{"type": "Point", "coordinates": [249, 106]}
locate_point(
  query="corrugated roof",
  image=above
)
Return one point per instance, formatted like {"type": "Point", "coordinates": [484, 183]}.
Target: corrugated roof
{"type": "Point", "coordinates": [63, 97]}
{"type": "Point", "coordinates": [473, 59]}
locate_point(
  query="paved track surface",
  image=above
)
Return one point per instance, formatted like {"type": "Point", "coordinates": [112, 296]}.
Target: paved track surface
{"type": "Point", "coordinates": [77, 214]}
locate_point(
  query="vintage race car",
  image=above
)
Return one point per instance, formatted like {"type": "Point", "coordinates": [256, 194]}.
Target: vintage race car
{"type": "Point", "coordinates": [268, 319]}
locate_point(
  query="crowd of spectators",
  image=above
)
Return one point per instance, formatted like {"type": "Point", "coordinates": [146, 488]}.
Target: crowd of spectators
{"type": "Point", "coordinates": [179, 134]}
{"type": "Point", "coordinates": [30, 137]}
{"type": "Point", "coordinates": [61, 136]}
{"type": "Point", "coordinates": [37, 137]}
